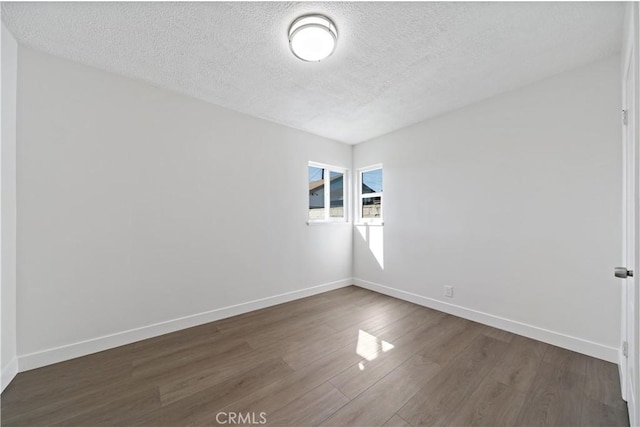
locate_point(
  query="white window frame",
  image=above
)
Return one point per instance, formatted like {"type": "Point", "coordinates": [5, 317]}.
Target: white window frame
{"type": "Point", "coordinates": [327, 194]}
{"type": "Point", "coordinates": [360, 219]}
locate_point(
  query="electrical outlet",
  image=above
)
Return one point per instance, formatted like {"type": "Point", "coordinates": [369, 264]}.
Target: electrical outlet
{"type": "Point", "coordinates": [448, 291]}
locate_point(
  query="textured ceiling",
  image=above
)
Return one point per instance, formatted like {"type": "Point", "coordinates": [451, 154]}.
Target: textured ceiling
{"type": "Point", "coordinates": [395, 63]}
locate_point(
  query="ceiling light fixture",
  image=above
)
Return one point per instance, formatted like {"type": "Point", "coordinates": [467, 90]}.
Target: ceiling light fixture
{"type": "Point", "coordinates": [312, 37]}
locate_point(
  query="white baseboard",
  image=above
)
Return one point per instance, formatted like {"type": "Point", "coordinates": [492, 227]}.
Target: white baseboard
{"type": "Point", "coordinates": [94, 345]}
{"type": "Point", "coordinates": [8, 373]}
{"type": "Point", "coordinates": [579, 345]}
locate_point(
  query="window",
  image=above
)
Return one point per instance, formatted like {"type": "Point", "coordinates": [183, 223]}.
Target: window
{"type": "Point", "coordinates": [370, 194]}
{"type": "Point", "coordinates": [326, 193]}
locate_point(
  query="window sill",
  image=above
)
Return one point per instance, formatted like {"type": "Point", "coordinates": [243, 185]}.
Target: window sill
{"type": "Point", "coordinates": [328, 222]}
{"type": "Point", "coordinates": [373, 224]}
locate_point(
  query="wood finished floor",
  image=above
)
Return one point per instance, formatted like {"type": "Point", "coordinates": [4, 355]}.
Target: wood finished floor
{"type": "Point", "coordinates": [346, 357]}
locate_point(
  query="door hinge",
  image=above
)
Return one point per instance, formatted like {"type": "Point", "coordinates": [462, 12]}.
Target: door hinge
{"type": "Point", "coordinates": [625, 349]}
{"type": "Point", "coordinates": [625, 117]}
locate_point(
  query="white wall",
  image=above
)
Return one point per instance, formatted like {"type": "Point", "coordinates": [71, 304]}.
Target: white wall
{"type": "Point", "coordinates": [138, 206]}
{"type": "Point", "coordinates": [8, 354]}
{"type": "Point", "coordinates": [516, 203]}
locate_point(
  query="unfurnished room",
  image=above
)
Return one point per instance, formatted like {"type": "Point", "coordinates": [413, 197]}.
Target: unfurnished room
{"type": "Point", "coordinates": [320, 214]}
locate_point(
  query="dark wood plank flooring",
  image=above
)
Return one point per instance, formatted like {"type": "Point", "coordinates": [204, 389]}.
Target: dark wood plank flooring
{"type": "Point", "coordinates": [343, 358]}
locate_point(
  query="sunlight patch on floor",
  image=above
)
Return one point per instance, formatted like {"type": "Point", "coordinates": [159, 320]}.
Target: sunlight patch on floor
{"type": "Point", "coordinates": [370, 347]}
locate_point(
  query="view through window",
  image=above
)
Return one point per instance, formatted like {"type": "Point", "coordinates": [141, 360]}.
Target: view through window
{"type": "Point", "coordinates": [326, 193]}
{"type": "Point", "coordinates": [371, 193]}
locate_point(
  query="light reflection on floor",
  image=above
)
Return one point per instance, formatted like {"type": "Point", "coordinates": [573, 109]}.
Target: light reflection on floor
{"type": "Point", "coordinates": [370, 347]}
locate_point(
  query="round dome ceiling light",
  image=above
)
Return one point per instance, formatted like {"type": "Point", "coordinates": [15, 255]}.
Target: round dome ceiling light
{"type": "Point", "coordinates": [312, 37]}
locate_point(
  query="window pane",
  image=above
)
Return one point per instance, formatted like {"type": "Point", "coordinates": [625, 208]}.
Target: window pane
{"type": "Point", "coordinates": [337, 195]}
{"type": "Point", "coordinates": [316, 193]}
{"type": "Point", "coordinates": [372, 181]}
{"type": "Point", "coordinates": [371, 207]}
